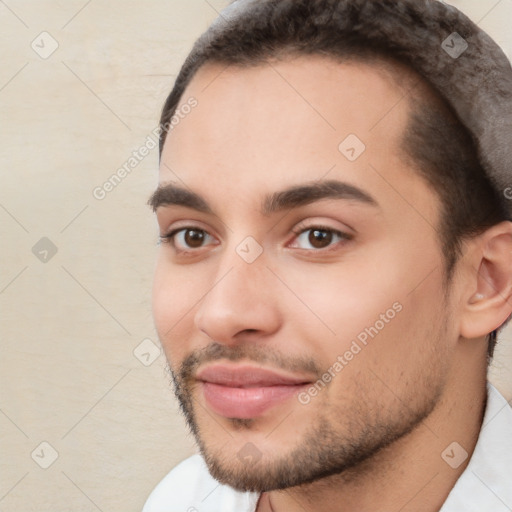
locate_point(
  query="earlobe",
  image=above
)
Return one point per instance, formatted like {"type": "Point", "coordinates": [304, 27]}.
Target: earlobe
{"type": "Point", "coordinates": [488, 301]}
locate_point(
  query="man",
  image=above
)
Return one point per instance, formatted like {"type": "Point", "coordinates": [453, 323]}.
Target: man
{"type": "Point", "coordinates": [335, 260]}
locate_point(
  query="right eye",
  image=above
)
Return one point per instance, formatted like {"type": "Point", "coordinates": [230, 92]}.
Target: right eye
{"type": "Point", "coordinates": [187, 239]}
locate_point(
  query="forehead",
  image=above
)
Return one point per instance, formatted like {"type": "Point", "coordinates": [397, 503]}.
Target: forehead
{"type": "Point", "coordinates": [321, 82]}
{"type": "Point", "coordinates": [275, 124]}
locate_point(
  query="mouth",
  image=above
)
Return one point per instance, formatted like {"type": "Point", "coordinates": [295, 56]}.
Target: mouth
{"type": "Point", "coordinates": [245, 391]}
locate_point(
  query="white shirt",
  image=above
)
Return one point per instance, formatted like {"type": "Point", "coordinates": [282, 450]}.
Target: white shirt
{"type": "Point", "coordinates": [484, 486]}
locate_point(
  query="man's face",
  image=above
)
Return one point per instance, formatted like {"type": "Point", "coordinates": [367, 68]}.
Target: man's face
{"type": "Point", "coordinates": [335, 289]}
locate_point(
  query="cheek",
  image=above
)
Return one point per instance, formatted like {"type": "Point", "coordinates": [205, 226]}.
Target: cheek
{"type": "Point", "coordinates": [173, 297]}
{"type": "Point", "coordinates": [340, 300]}
{"type": "Point", "coordinates": [347, 308]}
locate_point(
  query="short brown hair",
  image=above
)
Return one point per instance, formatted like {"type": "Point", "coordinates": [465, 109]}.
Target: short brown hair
{"type": "Point", "coordinates": [436, 141]}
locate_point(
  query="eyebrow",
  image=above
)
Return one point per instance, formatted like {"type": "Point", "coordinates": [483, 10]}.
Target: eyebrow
{"type": "Point", "coordinates": [169, 194]}
{"type": "Point", "coordinates": [292, 197]}
{"type": "Point", "coordinates": [302, 195]}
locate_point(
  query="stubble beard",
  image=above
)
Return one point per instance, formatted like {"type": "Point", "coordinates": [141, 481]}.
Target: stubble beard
{"type": "Point", "coordinates": [342, 439]}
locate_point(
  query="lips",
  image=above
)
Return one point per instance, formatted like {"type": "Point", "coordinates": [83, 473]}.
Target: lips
{"type": "Point", "coordinates": [245, 391]}
{"type": "Point", "coordinates": [246, 377]}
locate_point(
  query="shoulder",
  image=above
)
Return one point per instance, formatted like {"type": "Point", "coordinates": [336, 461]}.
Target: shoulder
{"type": "Point", "coordinates": [189, 487]}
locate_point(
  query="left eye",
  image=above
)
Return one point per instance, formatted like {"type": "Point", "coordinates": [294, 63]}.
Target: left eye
{"type": "Point", "coordinates": [318, 238]}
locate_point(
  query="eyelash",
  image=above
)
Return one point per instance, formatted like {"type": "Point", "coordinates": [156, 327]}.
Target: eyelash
{"type": "Point", "coordinates": [344, 237]}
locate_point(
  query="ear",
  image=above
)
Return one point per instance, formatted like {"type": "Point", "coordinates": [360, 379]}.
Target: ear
{"type": "Point", "coordinates": [487, 300]}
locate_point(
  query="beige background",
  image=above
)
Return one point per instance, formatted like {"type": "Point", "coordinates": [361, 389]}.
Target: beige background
{"type": "Point", "coordinates": [68, 373]}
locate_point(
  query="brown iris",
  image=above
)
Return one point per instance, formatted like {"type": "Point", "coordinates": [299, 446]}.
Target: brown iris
{"type": "Point", "coordinates": [194, 238]}
{"type": "Point", "coordinates": [319, 238]}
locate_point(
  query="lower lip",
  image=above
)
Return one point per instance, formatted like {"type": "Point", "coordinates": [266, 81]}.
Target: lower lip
{"type": "Point", "coordinates": [245, 403]}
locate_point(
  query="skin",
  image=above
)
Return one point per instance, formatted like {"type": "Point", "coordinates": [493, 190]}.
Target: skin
{"type": "Point", "coordinates": [373, 438]}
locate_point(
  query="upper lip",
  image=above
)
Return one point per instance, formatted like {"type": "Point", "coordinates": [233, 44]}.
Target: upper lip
{"type": "Point", "coordinates": [240, 376]}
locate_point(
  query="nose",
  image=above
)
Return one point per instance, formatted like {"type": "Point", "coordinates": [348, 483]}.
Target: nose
{"type": "Point", "coordinates": [241, 302]}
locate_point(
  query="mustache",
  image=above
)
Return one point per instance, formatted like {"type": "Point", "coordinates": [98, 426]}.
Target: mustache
{"type": "Point", "coordinates": [251, 352]}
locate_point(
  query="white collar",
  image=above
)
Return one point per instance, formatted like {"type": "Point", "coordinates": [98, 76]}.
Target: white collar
{"type": "Point", "coordinates": [486, 483]}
